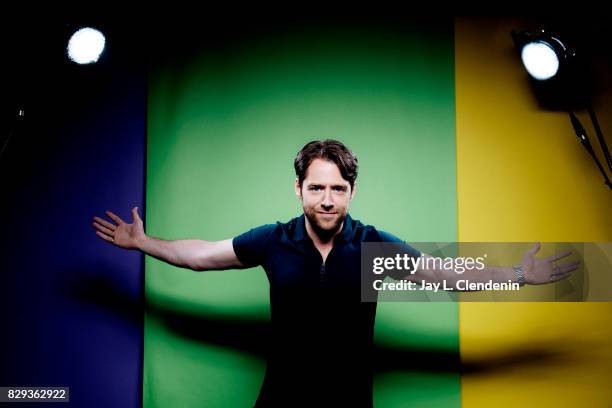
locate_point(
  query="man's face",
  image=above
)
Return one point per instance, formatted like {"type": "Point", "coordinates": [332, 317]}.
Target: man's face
{"type": "Point", "coordinates": [325, 195]}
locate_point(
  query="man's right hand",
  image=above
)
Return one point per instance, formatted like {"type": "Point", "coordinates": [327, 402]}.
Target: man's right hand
{"type": "Point", "coordinates": [128, 236]}
{"type": "Point", "coordinates": [194, 254]}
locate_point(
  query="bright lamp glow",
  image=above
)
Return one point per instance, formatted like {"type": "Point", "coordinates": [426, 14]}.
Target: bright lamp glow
{"type": "Point", "coordinates": [540, 60]}
{"type": "Point", "coordinates": [86, 45]}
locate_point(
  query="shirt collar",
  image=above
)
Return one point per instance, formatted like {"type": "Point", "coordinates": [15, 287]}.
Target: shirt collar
{"type": "Point", "coordinates": [300, 233]}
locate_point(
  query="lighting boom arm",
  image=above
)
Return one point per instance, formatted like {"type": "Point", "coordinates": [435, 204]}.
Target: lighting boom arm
{"type": "Point", "coordinates": [584, 140]}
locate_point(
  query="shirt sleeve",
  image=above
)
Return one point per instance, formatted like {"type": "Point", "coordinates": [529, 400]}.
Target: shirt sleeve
{"type": "Point", "coordinates": [250, 247]}
{"type": "Point", "coordinates": [386, 237]}
{"type": "Point", "coordinates": [400, 246]}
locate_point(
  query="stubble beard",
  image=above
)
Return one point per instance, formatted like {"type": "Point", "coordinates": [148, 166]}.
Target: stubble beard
{"type": "Point", "coordinates": [325, 234]}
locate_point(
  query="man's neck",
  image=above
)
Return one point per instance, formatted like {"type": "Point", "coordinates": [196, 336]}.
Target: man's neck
{"type": "Point", "coordinates": [321, 240]}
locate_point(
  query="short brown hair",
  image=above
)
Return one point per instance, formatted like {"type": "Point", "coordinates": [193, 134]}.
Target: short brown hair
{"type": "Point", "coordinates": [331, 150]}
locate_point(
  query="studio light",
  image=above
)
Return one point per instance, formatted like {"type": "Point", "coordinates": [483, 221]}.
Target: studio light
{"type": "Point", "coordinates": [86, 46]}
{"type": "Point", "coordinates": [544, 54]}
{"type": "Point", "coordinates": [560, 80]}
{"type": "Point", "coordinates": [540, 60]}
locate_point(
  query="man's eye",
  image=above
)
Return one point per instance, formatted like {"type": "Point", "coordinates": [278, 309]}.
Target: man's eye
{"type": "Point", "coordinates": [339, 189]}
{"type": "Point", "coordinates": [315, 188]}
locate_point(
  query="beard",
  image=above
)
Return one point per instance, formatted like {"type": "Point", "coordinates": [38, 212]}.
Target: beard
{"type": "Point", "coordinates": [327, 230]}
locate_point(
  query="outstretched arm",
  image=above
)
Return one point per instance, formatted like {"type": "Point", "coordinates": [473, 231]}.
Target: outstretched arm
{"type": "Point", "coordinates": [194, 254]}
{"type": "Point", "coordinates": [537, 271]}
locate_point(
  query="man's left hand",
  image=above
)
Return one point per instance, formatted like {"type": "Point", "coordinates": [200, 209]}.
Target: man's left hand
{"type": "Point", "coordinates": [539, 271]}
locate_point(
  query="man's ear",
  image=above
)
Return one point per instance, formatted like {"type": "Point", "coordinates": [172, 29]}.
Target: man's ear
{"type": "Point", "coordinates": [298, 189]}
{"type": "Point", "coordinates": [353, 189]}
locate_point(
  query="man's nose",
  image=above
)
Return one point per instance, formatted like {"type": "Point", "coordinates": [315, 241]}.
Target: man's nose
{"type": "Point", "coordinates": [327, 202]}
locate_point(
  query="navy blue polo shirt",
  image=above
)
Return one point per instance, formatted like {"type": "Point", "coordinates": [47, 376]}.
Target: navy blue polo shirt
{"type": "Point", "coordinates": [320, 350]}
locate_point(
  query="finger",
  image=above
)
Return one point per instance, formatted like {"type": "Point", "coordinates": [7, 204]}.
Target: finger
{"type": "Point", "coordinates": [103, 229]}
{"type": "Point", "coordinates": [105, 223]}
{"type": "Point", "coordinates": [560, 276]}
{"type": "Point", "coordinates": [556, 257]}
{"type": "Point", "coordinates": [568, 267]}
{"type": "Point", "coordinates": [104, 237]}
{"type": "Point", "coordinates": [115, 218]}
{"type": "Point", "coordinates": [135, 215]}
{"type": "Point", "coordinates": [535, 249]}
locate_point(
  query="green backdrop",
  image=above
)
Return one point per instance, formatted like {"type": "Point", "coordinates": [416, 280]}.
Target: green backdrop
{"type": "Point", "coordinates": [224, 126]}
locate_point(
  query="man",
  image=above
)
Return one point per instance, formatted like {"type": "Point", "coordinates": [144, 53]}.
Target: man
{"type": "Point", "coordinates": [322, 334]}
